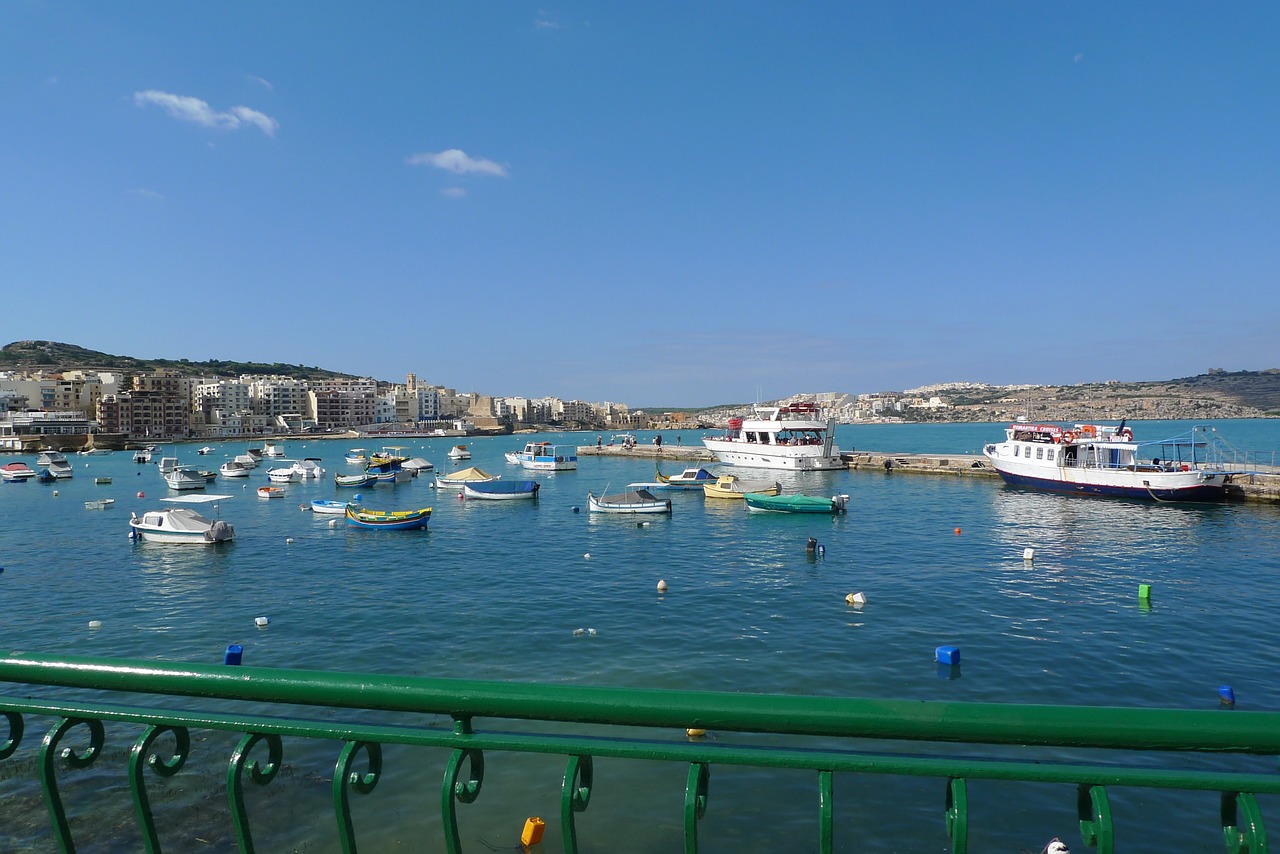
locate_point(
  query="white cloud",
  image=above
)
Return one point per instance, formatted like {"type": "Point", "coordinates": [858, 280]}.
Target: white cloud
{"type": "Point", "coordinates": [149, 195]}
{"type": "Point", "coordinates": [262, 82]}
{"type": "Point", "coordinates": [456, 161]}
{"type": "Point", "coordinates": [453, 192]}
{"type": "Point", "coordinates": [188, 109]}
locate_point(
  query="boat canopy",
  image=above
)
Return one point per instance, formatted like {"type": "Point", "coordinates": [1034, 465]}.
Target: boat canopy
{"type": "Point", "coordinates": [196, 499]}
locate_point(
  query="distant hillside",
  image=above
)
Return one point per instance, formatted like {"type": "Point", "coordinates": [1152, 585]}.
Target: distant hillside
{"type": "Point", "coordinates": [53, 356]}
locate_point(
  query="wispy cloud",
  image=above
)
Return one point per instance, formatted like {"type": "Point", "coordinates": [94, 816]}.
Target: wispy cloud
{"type": "Point", "coordinates": [453, 192]}
{"type": "Point", "coordinates": [149, 195]}
{"type": "Point", "coordinates": [266, 84]}
{"type": "Point", "coordinates": [188, 109]}
{"type": "Point", "coordinates": [544, 21]}
{"type": "Point", "coordinates": [458, 162]}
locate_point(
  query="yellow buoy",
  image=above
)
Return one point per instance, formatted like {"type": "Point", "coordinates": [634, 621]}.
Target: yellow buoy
{"type": "Point", "coordinates": [694, 732]}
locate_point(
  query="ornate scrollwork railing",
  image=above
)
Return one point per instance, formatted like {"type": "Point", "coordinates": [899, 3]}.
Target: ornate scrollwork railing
{"type": "Point", "coordinates": [77, 738]}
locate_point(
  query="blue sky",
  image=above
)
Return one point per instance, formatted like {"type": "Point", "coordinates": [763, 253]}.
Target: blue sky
{"type": "Point", "coordinates": [656, 203]}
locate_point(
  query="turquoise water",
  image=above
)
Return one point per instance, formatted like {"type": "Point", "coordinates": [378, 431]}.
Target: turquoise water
{"type": "Point", "coordinates": [495, 590]}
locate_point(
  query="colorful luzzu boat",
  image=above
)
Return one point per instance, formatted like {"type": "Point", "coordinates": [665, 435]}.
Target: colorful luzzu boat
{"type": "Point", "coordinates": [387, 520]}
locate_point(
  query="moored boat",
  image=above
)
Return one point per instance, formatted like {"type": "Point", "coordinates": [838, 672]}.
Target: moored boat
{"type": "Point", "coordinates": [184, 478]}
{"type": "Point", "coordinates": [284, 474]}
{"type": "Point", "coordinates": [270, 491]}
{"type": "Point", "coordinates": [460, 478]}
{"type": "Point", "coordinates": [795, 437]}
{"type": "Point", "coordinates": [459, 452]}
{"type": "Point", "coordinates": [501, 490]}
{"type": "Point", "coordinates": [362, 479]}
{"type": "Point", "coordinates": [417, 465]}
{"type": "Point", "coordinates": [182, 524]}
{"type": "Point", "coordinates": [100, 504]}
{"type": "Point", "coordinates": [1098, 459]}
{"type": "Point", "coordinates": [234, 468]}
{"type": "Point", "coordinates": [272, 449]}
{"type": "Point", "coordinates": [631, 501]}
{"type": "Point", "coordinates": [16, 472]}
{"type": "Point", "coordinates": [205, 451]}
{"type": "Point", "coordinates": [328, 506]}
{"type": "Point", "coordinates": [796, 503]}
{"type": "Point", "coordinates": [544, 456]}
{"type": "Point", "coordinates": [387, 520]}
{"type": "Point", "coordinates": [693, 477]}
{"type": "Point", "coordinates": [357, 456]}
{"type": "Point", "coordinates": [732, 486]}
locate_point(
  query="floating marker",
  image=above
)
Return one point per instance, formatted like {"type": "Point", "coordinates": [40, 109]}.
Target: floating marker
{"type": "Point", "coordinates": [288, 541]}
{"type": "Point", "coordinates": [575, 510]}
{"type": "Point", "coordinates": [822, 551]}
{"type": "Point", "coordinates": [662, 586]}
{"type": "Point", "coordinates": [234, 653]}
{"type": "Point", "coordinates": [261, 622]}
{"type": "Point", "coordinates": [948, 655]}
{"type": "Point", "coordinates": [142, 495]}
{"type": "Point", "coordinates": [532, 833]}
{"type": "Point", "coordinates": [1226, 696]}
{"type": "Point", "coordinates": [811, 545]}
{"type": "Point", "coordinates": [856, 598]}
{"type": "Point", "coordinates": [577, 633]}
{"type": "Point", "coordinates": [592, 632]}
{"type": "Point", "coordinates": [695, 732]}
{"type": "Point", "coordinates": [333, 523]}
{"type": "Point", "coordinates": [957, 532]}
{"type": "Point", "coordinates": [1028, 555]}
{"type": "Point", "coordinates": [1144, 591]}
{"type": "Point", "coordinates": [95, 624]}
{"type": "Point", "coordinates": [55, 493]}
{"type": "Point", "coordinates": [587, 556]}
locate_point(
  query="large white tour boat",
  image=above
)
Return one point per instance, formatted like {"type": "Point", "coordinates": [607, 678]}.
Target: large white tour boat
{"type": "Point", "coordinates": [1096, 459]}
{"type": "Point", "coordinates": [794, 437]}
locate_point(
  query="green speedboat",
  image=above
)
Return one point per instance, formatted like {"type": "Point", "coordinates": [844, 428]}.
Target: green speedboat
{"type": "Point", "coordinates": [796, 503]}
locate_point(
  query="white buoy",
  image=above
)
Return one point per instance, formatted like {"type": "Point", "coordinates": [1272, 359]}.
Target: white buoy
{"type": "Point", "coordinates": [333, 523]}
{"type": "Point", "coordinates": [662, 585]}
{"type": "Point", "coordinates": [856, 598]}
{"type": "Point", "coordinates": [288, 541]}
{"type": "Point", "coordinates": [587, 556]}
{"type": "Point", "coordinates": [577, 633]}
{"type": "Point", "coordinates": [95, 624]}
{"type": "Point", "coordinates": [1028, 555]}
{"type": "Point", "coordinates": [261, 622]}
{"type": "Point", "coordinates": [592, 632]}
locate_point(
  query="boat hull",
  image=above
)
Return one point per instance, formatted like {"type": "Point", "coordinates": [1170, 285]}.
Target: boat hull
{"type": "Point", "coordinates": [603, 505]}
{"type": "Point", "coordinates": [328, 507]}
{"type": "Point", "coordinates": [786, 457]}
{"type": "Point", "coordinates": [1173, 486]}
{"type": "Point", "coordinates": [794, 503]}
{"type": "Point", "coordinates": [385, 520]}
{"type": "Point", "coordinates": [502, 490]}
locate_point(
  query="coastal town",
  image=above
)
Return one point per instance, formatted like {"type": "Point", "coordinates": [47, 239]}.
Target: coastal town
{"type": "Point", "coordinates": [75, 405]}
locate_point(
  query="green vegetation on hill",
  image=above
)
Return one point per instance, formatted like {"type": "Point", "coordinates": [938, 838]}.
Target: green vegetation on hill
{"type": "Point", "coordinates": [53, 356]}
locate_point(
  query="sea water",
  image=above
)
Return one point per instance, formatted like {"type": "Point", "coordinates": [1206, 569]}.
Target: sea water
{"type": "Point", "coordinates": [496, 590]}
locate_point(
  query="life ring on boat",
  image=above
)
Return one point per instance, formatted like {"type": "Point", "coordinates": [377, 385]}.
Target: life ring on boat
{"type": "Point", "coordinates": [1069, 436]}
{"type": "Point", "coordinates": [1126, 435]}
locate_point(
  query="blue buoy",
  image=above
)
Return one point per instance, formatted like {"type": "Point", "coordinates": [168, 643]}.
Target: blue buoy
{"type": "Point", "coordinates": [575, 510]}
{"type": "Point", "coordinates": [234, 652]}
{"type": "Point", "coordinates": [1226, 696]}
{"type": "Point", "coordinates": [949, 655]}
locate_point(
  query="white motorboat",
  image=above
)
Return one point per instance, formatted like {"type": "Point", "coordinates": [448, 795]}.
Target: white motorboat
{"type": "Point", "coordinates": [795, 437]}
{"type": "Point", "coordinates": [234, 468]}
{"type": "Point", "coordinates": [249, 461]}
{"type": "Point", "coordinates": [182, 524]}
{"type": "Point", "coordinates": [272, 449]}
{"type": "Point", "coordinates": [1097, 459]}
{"type": "Point", "coordinates": [185, 478]}
{"type": "Point", "coordinates": [417, 465]}
{"type": "Point", "coordinates": [205, 451]}
{"type": "Point", "coordinates": [459, 452]}
{"type": "Point", "coordinates": [17, 472]}
{"type": "Point", "coordinates": [544, 456]}
{"type": "Point", "coordinates": [284, 474]}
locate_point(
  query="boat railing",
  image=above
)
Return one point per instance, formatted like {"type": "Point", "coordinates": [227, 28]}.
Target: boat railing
{"type": "Point", "coordinates": [1092, 754]}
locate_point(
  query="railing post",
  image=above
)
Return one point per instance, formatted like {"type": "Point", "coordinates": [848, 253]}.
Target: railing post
{"type": "Point", "coordinates": [259, 774]}
{"type": "Point", "coordinates": [49, 777]}
{"type": "Point", "coordinates": [343, 777]}
{"type": "Point", "coordinates": [575, 794]}
{"type": "Point", "coordinates": [695, 803]}
{"type": "Point", "coordinates": [1094, 812]}
{"type": "Point", "coordinates": [1252, 838]}
{"type": "Point", "coordinates": [139, 759]}
{"type": "Point", "coordinates": [826, 809]}
{"type": "Point", "coordinates": [958, 815]}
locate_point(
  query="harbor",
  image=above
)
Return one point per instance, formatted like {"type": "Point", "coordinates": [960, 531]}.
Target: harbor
{"type": "Point", "coordinates": [544, 592]}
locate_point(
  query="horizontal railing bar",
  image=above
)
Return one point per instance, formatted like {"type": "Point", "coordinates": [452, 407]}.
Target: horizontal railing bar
{"type": "Point", "coordinates": [1062, 726]}
{"type": "Point", "coordinates": [686, 752]}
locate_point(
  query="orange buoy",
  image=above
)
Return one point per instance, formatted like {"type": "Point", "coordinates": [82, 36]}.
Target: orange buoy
{"type": "Point", "coordinates": [957, 532]}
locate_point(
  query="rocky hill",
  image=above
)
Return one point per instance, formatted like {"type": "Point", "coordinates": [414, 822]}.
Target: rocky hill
{"type": "Point", "coordinates": [53, 356]}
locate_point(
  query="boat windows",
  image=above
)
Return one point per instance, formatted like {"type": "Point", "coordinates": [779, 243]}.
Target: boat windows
{"type": "Point", "coordinates": [1039, 453]}
{"type": "Point", "coordinates": [1049, 454]}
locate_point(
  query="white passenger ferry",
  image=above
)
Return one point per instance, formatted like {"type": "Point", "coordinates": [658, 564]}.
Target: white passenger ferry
{"type": "Point", "coordinates": [1096, 459]}
{"type": "Point", "coordinates": [794, 437]}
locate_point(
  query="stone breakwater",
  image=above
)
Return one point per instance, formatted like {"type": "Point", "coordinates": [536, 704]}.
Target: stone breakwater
{"type": "Point", "coordinates": [1261, 486]}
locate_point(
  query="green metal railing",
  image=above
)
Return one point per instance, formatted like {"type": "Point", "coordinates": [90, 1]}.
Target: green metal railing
{"type": "Point", "coordinates": [802, 720]}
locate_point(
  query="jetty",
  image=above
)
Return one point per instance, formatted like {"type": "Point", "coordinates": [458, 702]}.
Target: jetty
{"type": "Point", "coordinates": [1261, 484]}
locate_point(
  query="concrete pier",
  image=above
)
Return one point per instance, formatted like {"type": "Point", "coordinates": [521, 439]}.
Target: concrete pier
{"type": "Point", "coordinates": [1260, 486]}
